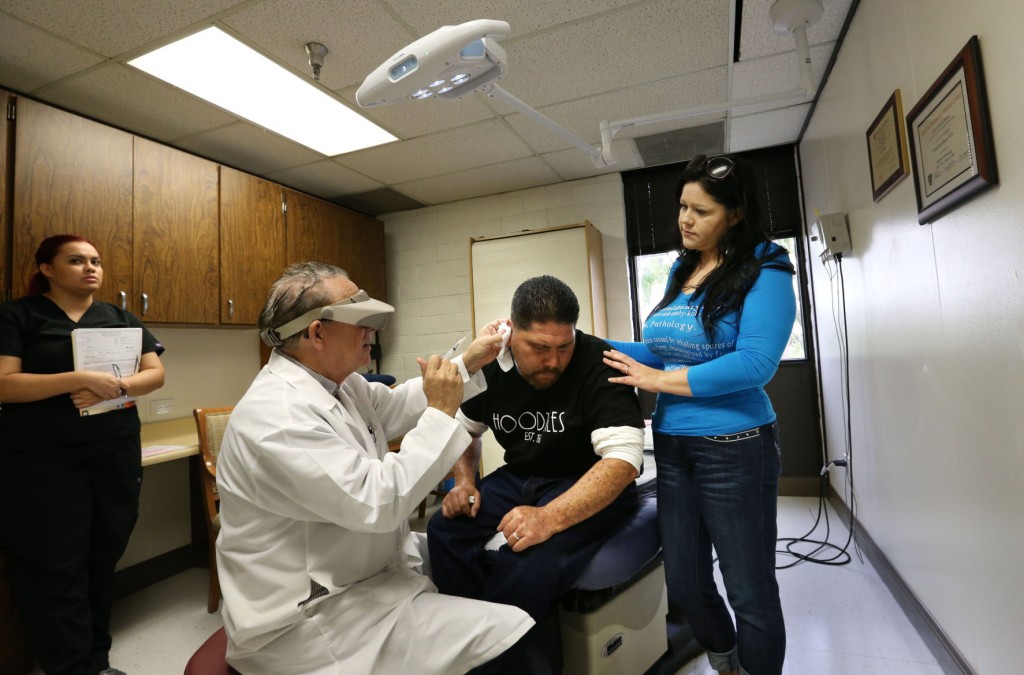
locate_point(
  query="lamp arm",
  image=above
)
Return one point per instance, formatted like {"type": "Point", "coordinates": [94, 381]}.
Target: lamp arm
{"type": "Point", "coordinates": [594, 153]}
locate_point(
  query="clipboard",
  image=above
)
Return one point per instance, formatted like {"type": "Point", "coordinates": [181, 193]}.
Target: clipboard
{"type": "Point", "coordinates": [107, 350]}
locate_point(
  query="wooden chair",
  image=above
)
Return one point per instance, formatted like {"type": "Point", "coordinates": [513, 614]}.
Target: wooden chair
{"type": "Point", "coordinates": [210, 424]}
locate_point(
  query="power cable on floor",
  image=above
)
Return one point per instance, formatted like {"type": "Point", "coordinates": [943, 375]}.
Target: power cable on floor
{"type": "Point", "coordinates": [820, 554]}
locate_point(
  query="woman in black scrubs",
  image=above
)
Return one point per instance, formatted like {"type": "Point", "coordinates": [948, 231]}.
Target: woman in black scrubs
{"type": "Point", "coordinates": [69, 485]}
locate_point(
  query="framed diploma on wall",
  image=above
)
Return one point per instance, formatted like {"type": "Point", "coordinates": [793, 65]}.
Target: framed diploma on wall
{"type": "Point", "coordinates": [951, 144]}
{"type": "Point", "coordinates": [887, 148]}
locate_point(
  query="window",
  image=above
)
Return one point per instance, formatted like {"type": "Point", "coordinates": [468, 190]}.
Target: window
{"type": "Point", "coordinates": [651, 213]}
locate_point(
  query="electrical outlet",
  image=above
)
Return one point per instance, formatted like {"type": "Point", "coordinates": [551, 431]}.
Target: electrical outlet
{"type": "Point", "coordinates": [163, 406]}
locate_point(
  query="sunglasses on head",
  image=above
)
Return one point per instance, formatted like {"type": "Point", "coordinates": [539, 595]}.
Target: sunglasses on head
{"type": "Point", "coordinates": [718, 167]}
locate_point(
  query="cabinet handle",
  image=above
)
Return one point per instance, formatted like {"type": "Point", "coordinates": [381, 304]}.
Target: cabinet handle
{"type": "Point", "coordinates": [145, 303]}
{"type": "Point", "coordinates": [124, 300]}
{"type": "Point", "coordinates": [231, 308]}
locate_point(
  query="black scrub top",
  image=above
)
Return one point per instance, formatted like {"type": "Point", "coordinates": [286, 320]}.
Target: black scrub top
{"type": "Point", "coordinates": [38, 332]}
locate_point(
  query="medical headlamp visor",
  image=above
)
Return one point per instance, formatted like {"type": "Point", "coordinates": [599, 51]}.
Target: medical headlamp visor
{"type": "Point", "coordinates": [357, 310]}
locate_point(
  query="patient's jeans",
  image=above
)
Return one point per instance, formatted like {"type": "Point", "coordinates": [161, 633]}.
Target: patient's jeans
{"type": "Point", "coordinates": [533, 578]}
{"type": "Point", "coordinates": [721, 492]}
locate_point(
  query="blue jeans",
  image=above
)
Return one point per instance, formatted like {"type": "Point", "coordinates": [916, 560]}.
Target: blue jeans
{"type": "Point", "coordinates": [532, 579]}
{"type": "Point", "coordinates": [722, 492]}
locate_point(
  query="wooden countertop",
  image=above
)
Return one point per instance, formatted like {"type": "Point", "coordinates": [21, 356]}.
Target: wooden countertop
{"type": "Point", "coordinates": [169, 440]}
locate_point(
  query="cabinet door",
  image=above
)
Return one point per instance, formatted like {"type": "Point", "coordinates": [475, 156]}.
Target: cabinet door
{"type": "Point", "coordinates": [72, 176]}
{"type": "Point", "coordinates": [252, 244]}
{"type": "Point", "coordinates": [176, 235]}
{"type": "Point", "coordinates": [323, 232]}
{"type": "Point", "coordinates": [5, 243]}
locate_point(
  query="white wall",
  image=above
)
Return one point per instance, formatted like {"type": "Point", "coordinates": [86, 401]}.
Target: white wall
{"type": "Point", "coordinates": [428, 260]}
{"type": "Point", "coordinates": [936, 325]}
{"type": "Point", "coordinates": [205, 368]}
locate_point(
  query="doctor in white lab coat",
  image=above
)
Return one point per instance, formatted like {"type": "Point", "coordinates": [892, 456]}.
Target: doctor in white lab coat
{"type": "Point", "coordinates": [318, 568]}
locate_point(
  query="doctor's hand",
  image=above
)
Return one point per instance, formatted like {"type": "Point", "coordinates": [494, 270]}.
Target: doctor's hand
{"type": "Point", "coordinates": [526, 526]}
{"type": "Point", "coordinates": [442, 384]}
{"type": "Point", "coordinates": [461, 500]}
{"type": "Point", "coordinates": [485, 348]}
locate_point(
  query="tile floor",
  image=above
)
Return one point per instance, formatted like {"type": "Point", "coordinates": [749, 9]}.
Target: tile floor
{"type": "Point", "coordinates": [840, 620]}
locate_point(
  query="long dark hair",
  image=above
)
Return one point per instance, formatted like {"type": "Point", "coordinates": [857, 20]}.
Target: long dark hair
{"type": "Point", "coordinates": [47, 251]}
{"type": "Point", "coordinates": [725, 289]}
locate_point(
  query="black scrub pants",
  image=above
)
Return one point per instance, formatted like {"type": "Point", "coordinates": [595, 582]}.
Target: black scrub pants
{"type": "Point", "coordinates": [65, 518]}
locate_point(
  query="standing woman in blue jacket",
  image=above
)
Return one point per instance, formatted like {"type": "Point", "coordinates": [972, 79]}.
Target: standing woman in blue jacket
{"type": "Point", "coordinates": [69, 485]}
{"type": "Point", "coordinates": [709, 347]}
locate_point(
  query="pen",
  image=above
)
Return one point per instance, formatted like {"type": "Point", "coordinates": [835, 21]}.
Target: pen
{"type": "Point", "coordinates": [117, 374]}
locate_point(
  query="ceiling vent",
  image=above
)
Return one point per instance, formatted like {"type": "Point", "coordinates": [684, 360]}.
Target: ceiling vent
{"type": "Point", "coordinates": [679, 145]}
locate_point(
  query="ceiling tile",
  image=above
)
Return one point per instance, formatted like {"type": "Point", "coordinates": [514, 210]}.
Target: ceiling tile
{"type": "Point", "coordinates": [29, 58]}
{"type": "Point", "coordinates": [130, 99]}
{"type": "Point", "coordinates": [354, 31]}
{"type": "Point", "coordinates": [776, 74]}
{"type": "Point", "coordinates": [522, 17]}
{"type": "Point", "coordinates": [617, 50]}
{"type": "Point", "coordinates": [249, 148]}
{"type": "Point", "coordinates": [584, 116]}
{"type": "Point", "coordinates": [442, 153]}
{"type": "Point", "coordinates": [573, 164]}
{"type": "Point", "coordinates": [763, 130]}
{"type": "Point", "coordinates": [325, 179]}
{"type": "Point", "coordinates": [508, 176]}
{"type": "Point", "coordinates": [420, 118]}
{"type": "Point", "coordinates": [758, 37]}
{"type": "Point", "coordinates": [90, 23]}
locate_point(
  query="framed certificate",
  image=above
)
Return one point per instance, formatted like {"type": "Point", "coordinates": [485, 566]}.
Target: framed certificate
{"type": "Point", "coordinates": [887, 148]}
{"type": "Point", "coordinates": [950, 135]}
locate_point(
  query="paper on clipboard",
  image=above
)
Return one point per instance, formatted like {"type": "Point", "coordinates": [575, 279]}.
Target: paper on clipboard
{"type": "Point", "coordinates": [107, 350]}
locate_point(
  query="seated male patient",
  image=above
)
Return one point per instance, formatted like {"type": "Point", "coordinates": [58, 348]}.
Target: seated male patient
{"type": "Point", "coordinates": [573, 448]}
{"type": "Point", "coordinates": [318, 568]}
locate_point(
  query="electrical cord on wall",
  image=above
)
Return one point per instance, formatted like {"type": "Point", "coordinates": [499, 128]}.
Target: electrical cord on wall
{"type": "Point", "coordinates": [825, 552]}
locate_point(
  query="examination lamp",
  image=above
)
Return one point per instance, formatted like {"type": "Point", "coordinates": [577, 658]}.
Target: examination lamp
{"type": "Point", "coordinates": [451, 62]}
{"type": "Point", "coordinates": [358, 310]}
{"type": "Point", "coordinates": [455, 61]}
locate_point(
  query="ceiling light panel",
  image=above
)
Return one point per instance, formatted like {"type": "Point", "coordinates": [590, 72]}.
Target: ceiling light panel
{"type": "Point", "coordinates": [218, 68]}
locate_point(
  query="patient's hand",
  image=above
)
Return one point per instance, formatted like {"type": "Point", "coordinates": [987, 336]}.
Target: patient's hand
{"type": "Point", "coordinates": [526, 526]}
{"type": "Point", "coordinates": [461, 500]}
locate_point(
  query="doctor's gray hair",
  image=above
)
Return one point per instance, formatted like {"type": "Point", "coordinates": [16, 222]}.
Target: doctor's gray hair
{"type": "Point", "coordinates": [299, 290]}
{"type": "Point", "coordinates": [544, 299]}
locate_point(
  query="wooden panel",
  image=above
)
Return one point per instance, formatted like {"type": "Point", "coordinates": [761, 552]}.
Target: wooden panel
{"type": "Point", "coordinates": [323, 232]}
{"type": "Point", "coordinates": [176, 235]}
{"type": "Point", "coordinates": [72, 176]}
{"type": "Point", "coordinates": [252, 244]}
{"type": "Point", "coordinates": [363, 252]}
{"type": "Point", "coordinates": [5, 220]}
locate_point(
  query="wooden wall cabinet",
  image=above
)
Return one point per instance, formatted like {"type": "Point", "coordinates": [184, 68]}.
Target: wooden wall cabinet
{"type": "Point", "coordinates": [252, 244]}
{"type": "Point", "coordinates": [182, 239]}
{"type": "Point", "coordinates": [72, 176]}
{"type": "Point", "coordinates": [5, 223]}
{"type": "Point", "coordinates": [176, 238]}
{"type": "Point", "coordinates": [323, 232]}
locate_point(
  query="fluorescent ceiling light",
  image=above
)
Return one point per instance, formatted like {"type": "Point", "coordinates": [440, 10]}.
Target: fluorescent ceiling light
{"type": "Point", "coordinates": [218, 68]}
